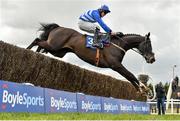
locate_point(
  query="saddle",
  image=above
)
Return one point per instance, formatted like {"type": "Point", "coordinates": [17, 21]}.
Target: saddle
{"type": "Point", "coordinates": [103, 39]}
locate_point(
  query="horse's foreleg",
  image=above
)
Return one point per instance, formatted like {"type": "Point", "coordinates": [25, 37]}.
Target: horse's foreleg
{"type": "Point", "coordinates": [144, 87]}
{"type": "Point", "coordinates": [128, 75]}
{"type": "Point", "coordinates": [34, 43]}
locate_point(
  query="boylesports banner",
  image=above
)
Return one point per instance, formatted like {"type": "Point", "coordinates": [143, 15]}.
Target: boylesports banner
{"type": "Point", "coordinates": [16, 97]}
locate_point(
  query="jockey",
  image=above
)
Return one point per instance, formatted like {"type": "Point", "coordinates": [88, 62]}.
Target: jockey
{"type": "Point", "coordinates": [87, 22]}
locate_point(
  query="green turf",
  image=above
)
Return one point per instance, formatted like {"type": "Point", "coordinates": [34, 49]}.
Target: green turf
{"type": "Point", "coordinates": [84, 116]}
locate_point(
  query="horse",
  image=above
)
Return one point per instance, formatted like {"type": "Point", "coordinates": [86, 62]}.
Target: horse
{"type": "Point", "coordinates": [59, 40]}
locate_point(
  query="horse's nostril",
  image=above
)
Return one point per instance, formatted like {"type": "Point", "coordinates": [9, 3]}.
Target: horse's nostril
{"type": "Point", "coordinates": [152, 60]}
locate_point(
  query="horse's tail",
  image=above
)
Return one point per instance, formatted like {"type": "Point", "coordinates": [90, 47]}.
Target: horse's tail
{"type": "Point", "coordinates": [46, 28]}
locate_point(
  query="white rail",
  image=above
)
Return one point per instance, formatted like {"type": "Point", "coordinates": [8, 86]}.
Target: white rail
{"type": "Point", "coordinates": [173, 107]}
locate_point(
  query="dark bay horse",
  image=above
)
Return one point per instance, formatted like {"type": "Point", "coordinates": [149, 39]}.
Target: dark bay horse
{"type": "Point", "coordinates": [59, 40]}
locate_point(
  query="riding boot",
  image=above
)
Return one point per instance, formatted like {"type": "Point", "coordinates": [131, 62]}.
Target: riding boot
{"type": "Point", "coordinates": [108, 38]}
{"type": "Point", "coordinates": [96, 43]}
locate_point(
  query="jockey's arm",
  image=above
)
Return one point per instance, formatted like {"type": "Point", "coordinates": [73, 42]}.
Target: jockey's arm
{"type": "Point", "coordinates": [101, 23]}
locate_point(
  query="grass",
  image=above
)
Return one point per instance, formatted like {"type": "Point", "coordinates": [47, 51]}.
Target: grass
{"type": "Point", "coordinates": [84, 116]}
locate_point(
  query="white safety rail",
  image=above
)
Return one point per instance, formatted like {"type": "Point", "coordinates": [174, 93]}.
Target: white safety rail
{"type": "Point", "coordinates": [173, 107]}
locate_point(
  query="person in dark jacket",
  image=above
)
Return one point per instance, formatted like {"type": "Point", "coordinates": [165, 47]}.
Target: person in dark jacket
{"type": "Point", "coordinates": [160, 93]}
{"type": "Point", "coordinates": [178, 105]}
{"type": "Point", "coordinates": [175, 83]}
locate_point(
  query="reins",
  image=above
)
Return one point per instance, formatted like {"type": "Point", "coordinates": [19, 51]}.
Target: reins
{"type": "Point", "coordinates": [119, 47]}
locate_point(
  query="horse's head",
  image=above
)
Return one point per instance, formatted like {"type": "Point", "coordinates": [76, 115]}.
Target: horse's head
{"type": "Point", "coordinates": [145, 49]}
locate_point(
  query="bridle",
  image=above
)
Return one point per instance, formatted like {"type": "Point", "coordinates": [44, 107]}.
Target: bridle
{"type": "Point", "coordinates": [137, 51]}
{"type": "Point", "coordinates": [145, 49]}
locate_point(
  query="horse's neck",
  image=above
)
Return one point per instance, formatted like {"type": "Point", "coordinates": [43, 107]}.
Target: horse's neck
{"type": "Point", "coordinates": [133, 41]}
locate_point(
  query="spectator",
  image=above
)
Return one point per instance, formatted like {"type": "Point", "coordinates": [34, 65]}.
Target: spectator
{"type": "Point", "coordinates": [160, 93]}
{"type": "Point", "coordinates": [175, 83]}
{"type": "Point", "coordinates": [178, 105]}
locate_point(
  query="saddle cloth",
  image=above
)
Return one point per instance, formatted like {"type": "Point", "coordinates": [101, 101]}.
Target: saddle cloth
{"type": "Point", "coordinates": [103, 39]}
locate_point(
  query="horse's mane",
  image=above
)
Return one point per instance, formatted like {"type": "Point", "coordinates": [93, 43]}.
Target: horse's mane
{"type": "Point", "coordinates": [126, 35]}
{"type": "Point", "coordinates": [131, 34]}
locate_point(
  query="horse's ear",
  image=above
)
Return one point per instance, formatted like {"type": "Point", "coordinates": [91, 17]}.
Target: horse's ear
{"type": "Point", "coordinates": [148, 34]}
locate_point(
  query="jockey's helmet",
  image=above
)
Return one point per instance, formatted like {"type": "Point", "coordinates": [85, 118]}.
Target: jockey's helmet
{"type": "Point", "coordinates": [105, 8]}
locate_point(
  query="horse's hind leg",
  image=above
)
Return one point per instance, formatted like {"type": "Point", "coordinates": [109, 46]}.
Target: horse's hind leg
{"type": "Point", "coordinates": [39, 49]}
{"type": "Point", "coordinates": [44, 45]}
{"type": "Point", "coordinates": [61, 53]}
{"type": "Point", "coordinates": [34, 43]}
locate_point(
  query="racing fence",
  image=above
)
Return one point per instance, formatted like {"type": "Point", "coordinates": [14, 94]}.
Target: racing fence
{"type": "Point", "coordinates": [21, 65]}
